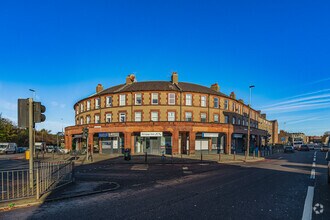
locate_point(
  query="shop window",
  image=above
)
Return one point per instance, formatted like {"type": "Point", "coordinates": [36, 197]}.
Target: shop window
{"type": "Point", "coordinates": [171, 98]}
{"type": "Point", "coordinates": [122, 100]}
{"type": "Point", "coordinates": [109, 101]}
{"type": "Point", "coordinates": [138, 116]}
{"type": "Point", "coordinates": [203, 117]}
{"type": "Point", "coordinates": [171, 116]}
{"type": "Point", "coordinates": [154, 116]}
{"type": "Point", "coordinates": [97, 103]}
{"type": "Point", "coordinates": [188, 116]}
{"type": "Point", "coordinates": [226, 119]}
{"type": "Point", "coordinates": [226, 104]}
{"type": "Point", "coordinates": [138, 99]}
{"type": "Point", "coordinates": [188, 99]}
{"type": "Point", "coordinates": [203, 101]}
{"type": "Point", "coordinates": [122, 117]}
{"type": "Point", "coordinates": [216, 102]}
{"type": "Point", "coordinates": [154, 98]}
{"type": "Point", "coordinates": [216, 118]}
{"type": "Point", "coordinates": [88, 105]}
{"type": "Point", "coordinates": [88, 119]}
{"type": "Point", "coordinates": [108, 117]}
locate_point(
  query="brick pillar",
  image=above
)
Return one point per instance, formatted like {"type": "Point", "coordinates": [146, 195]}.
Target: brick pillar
{"type": "Point", "coordinates": [90, 142]}
{"type": "Point", "coordinates": [127, 140]}
{"type": "Point", "coordinates": [228, 143]}
{"type": "Point", "coordinates": [192, 137]}
{"type": "Point", "coordinates": [132, 144]}
{"type": "Point", "coordinates": [175, 142]}
{"type": "Point", "coordinates": [68, 141]}
{"type": "Point", "coordinates": [100, 145]}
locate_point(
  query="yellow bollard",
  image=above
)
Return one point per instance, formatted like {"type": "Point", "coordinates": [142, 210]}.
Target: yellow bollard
{"type": "Point", "coordinates": [27, 155]}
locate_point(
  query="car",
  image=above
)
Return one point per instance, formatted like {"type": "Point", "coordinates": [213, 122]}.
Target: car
{"type": "Point", "coordinates": [288, 149]}
{"type": "Point", "coordinates": [327, 157]}
{"type": "Point", "coordinates": [324, 148]}
{"type": "Point", "coordinates": [304, 147]}
{"type": "Point", "coordinates": [21, 149]}
{"type": "Point", "coordinates": [311, 146]}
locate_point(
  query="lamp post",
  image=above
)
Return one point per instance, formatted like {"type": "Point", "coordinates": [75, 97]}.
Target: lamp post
{"type": "Point", "coordinates": [248, 138]}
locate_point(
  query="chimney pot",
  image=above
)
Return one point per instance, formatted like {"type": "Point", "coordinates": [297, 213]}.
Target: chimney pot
{"type": "Point", "coordinates": [175, 78]}
{"type": "Point", "coordinates": [215, 87]}
{"type": "Point", "coordinates": [99, 88]}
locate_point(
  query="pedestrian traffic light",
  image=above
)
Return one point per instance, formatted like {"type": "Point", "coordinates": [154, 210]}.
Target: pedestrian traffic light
{"type": "Point", "coordinates": [38, 109]}
{"type": "Point", "coordinates": [23, 113]}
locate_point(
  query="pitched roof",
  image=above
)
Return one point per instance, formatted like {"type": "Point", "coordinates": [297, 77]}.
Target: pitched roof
{"type": "Point", "coordinates": [159, 86]}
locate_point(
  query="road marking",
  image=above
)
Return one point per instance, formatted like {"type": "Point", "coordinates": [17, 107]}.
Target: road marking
{"type": "Point", "coordinates": [308, 207]}
{"type": "Point", "coordinates": [139, 167]}
{"type": "Point", "coordinates": [313, 164]}
{"type": "Point", "coordinates": [313, 174]}
{"type": "Point", "coordinates": [187, 172]}
{"type": "Point", "coordinates": [314, 159]}
{"type": "Point", "coordinates": [185, 168]}
{"type": "Point", "coordinates": [280, 158]}
{"type": "Point", "coordinates": [315, 153]}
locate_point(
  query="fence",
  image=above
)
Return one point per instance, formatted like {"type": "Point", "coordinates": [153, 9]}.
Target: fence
{"type": "Point", "coordinates": [47, 176]}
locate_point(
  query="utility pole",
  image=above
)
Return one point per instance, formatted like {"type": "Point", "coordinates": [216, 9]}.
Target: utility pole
{"type": "Point", "coordinates": [248, 138]}
{"type": "Point", "coordinates": [31, 141]}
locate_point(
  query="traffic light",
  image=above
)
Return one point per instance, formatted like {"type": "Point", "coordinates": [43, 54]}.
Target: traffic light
{"type": "Point", "coordinates": [23, 113]}
{"type": "Point", "coordinates": [38, 109]}
{"type": "Point", "coordinates": [85, 132]}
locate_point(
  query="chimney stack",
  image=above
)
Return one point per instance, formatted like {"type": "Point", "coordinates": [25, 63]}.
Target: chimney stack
{"type": "Point", "coordinates": [99, 88]}
{"type": "Point", "coordinates": [215, 87]}
{"type": "Point", "coordinates": [175, 78]}
{"type": "Point", "coordinates": [130, 79]}
{"type": "Point", "coordinates": [232, 95]}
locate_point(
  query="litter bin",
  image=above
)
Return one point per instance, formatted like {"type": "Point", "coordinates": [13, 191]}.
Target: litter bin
{"type": "Point", "coordinates": [27, 155]}
{"type": "Point", "coordinates": [127, 154]}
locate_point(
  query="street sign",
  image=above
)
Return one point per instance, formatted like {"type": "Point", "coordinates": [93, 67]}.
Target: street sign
{"type": "Point", "coordinates": [210, 134]}
{"type": "Point", "coordinates": [151, 134]}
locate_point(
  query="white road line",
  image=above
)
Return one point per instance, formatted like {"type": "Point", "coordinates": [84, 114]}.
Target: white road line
{"type": "Point", "coordinates": [185, 168]}
{"type": "Point", "coordinates": [315, 153]}
{"type": "Point", "coordinates": [314, 159]}
{"type": "Point", "coordinates": [313, 174]}
{"type": "Point", "coordinates": [308, 207]}
{"type": "Point", "coordinates": [313, 164]}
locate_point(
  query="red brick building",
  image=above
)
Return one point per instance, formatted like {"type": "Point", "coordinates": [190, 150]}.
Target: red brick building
{"type": "Point", "coordinates": [166, 117]}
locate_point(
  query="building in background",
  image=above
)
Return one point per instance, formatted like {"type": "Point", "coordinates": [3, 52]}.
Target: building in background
{"type": "Point", "coordinates": [288, 138]}
{"type": "Point", "coordinates": [167, 117]}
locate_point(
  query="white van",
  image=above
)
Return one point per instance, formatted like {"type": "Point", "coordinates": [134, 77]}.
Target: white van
{"type": "Point", "coordinates": [6, 148]}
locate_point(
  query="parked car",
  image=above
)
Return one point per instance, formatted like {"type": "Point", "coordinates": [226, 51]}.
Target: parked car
{"type": "Point", "coordinates": [311, 146]}
{"type": "Point", "coordinates": [6, 148]}
{"type": "Point", "coordinates": [288, 149]}
{"type": "Point", "coordinates": [324, 149]}
{"type": "Point", "coordinates": [63, 151]}
{"type": "Point", "coordinates": [327, 157]}
{"type": "Point", "coordinates": [51, 149]}
{"type": "Point", "coordinates": [304, 147]}
{"type": "Point", "coordinates": [21, 149]}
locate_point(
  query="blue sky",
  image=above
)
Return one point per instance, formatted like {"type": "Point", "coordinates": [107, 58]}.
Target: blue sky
{"type": "Point", "coordinates": [63, 49]}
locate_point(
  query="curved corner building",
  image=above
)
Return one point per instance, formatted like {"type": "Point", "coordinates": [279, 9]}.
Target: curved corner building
{"type": "Point", "coordinates": [160, 117]}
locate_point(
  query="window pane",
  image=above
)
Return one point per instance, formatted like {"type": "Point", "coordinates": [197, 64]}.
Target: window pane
{"type": "Point", "coordinates": [226, 119]}
{"type": "Point", "coordinates": [137, 116]}
{"type": "Point", "coordinates": [122, 117]}
{"type": "Point", "coordinates": [122, 100]}
{"type": "Point", "coordinates": [97, 103]}
{"type": "Point", "coordinates": [88, 105]}
{"type": "Point", "coordinates": [154, 116]}
{"type": "Point", "coordinates": [109, 101]}
{"type": "Point", "coordinates": [216, 103]}
{"type": "Point", "coordinates": [203, 101]}
{"type": "Point", "coordinates": [203, 117]}
{"type": "Point", "coordinates": [138, 99]}
{"type": "Point", "coordinates": [108, 118]}
{"type": "Point", "coordinates": [154, 97]}
{"type": "Point", "coordinates": [171, 116]}
{"type": "Point", "coordinates": [216, 118]}
{"type": "Point", "coordinates": [188, 116]}
{"type": "Point", "coordinates": [171, 98]}
{"type": "Point", "coordinates": [188, 99]}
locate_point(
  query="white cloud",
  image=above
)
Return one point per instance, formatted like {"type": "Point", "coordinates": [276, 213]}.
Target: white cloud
{"type": "Point", "coordinates": [53, 103]}
{"type": "Point", "coordinates": [5, 105]}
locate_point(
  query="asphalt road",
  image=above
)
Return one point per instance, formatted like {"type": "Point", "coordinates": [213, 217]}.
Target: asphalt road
{"type": "Point", "coordinates": [272, 189]}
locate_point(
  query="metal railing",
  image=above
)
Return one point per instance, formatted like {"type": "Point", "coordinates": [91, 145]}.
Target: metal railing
{"type": "Point", "coordinates": [15, 184]}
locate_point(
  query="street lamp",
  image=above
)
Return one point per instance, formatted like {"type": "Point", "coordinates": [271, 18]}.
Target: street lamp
{"type": "Point", "coordinates": [34, 93]}
{"type": "Point", "coordinates": [248, 139]}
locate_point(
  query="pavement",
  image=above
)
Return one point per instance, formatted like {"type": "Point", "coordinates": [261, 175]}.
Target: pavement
{"type": "Point", "coordinates": [273, 188]}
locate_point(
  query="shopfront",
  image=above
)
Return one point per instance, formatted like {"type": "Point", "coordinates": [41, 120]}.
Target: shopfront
{"type": "Point", "coordinates": [211, 143]}
{"type": "Point", "coordinates": [111, 143]}
{"type": "Point", "coordinates": [153, 143]}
